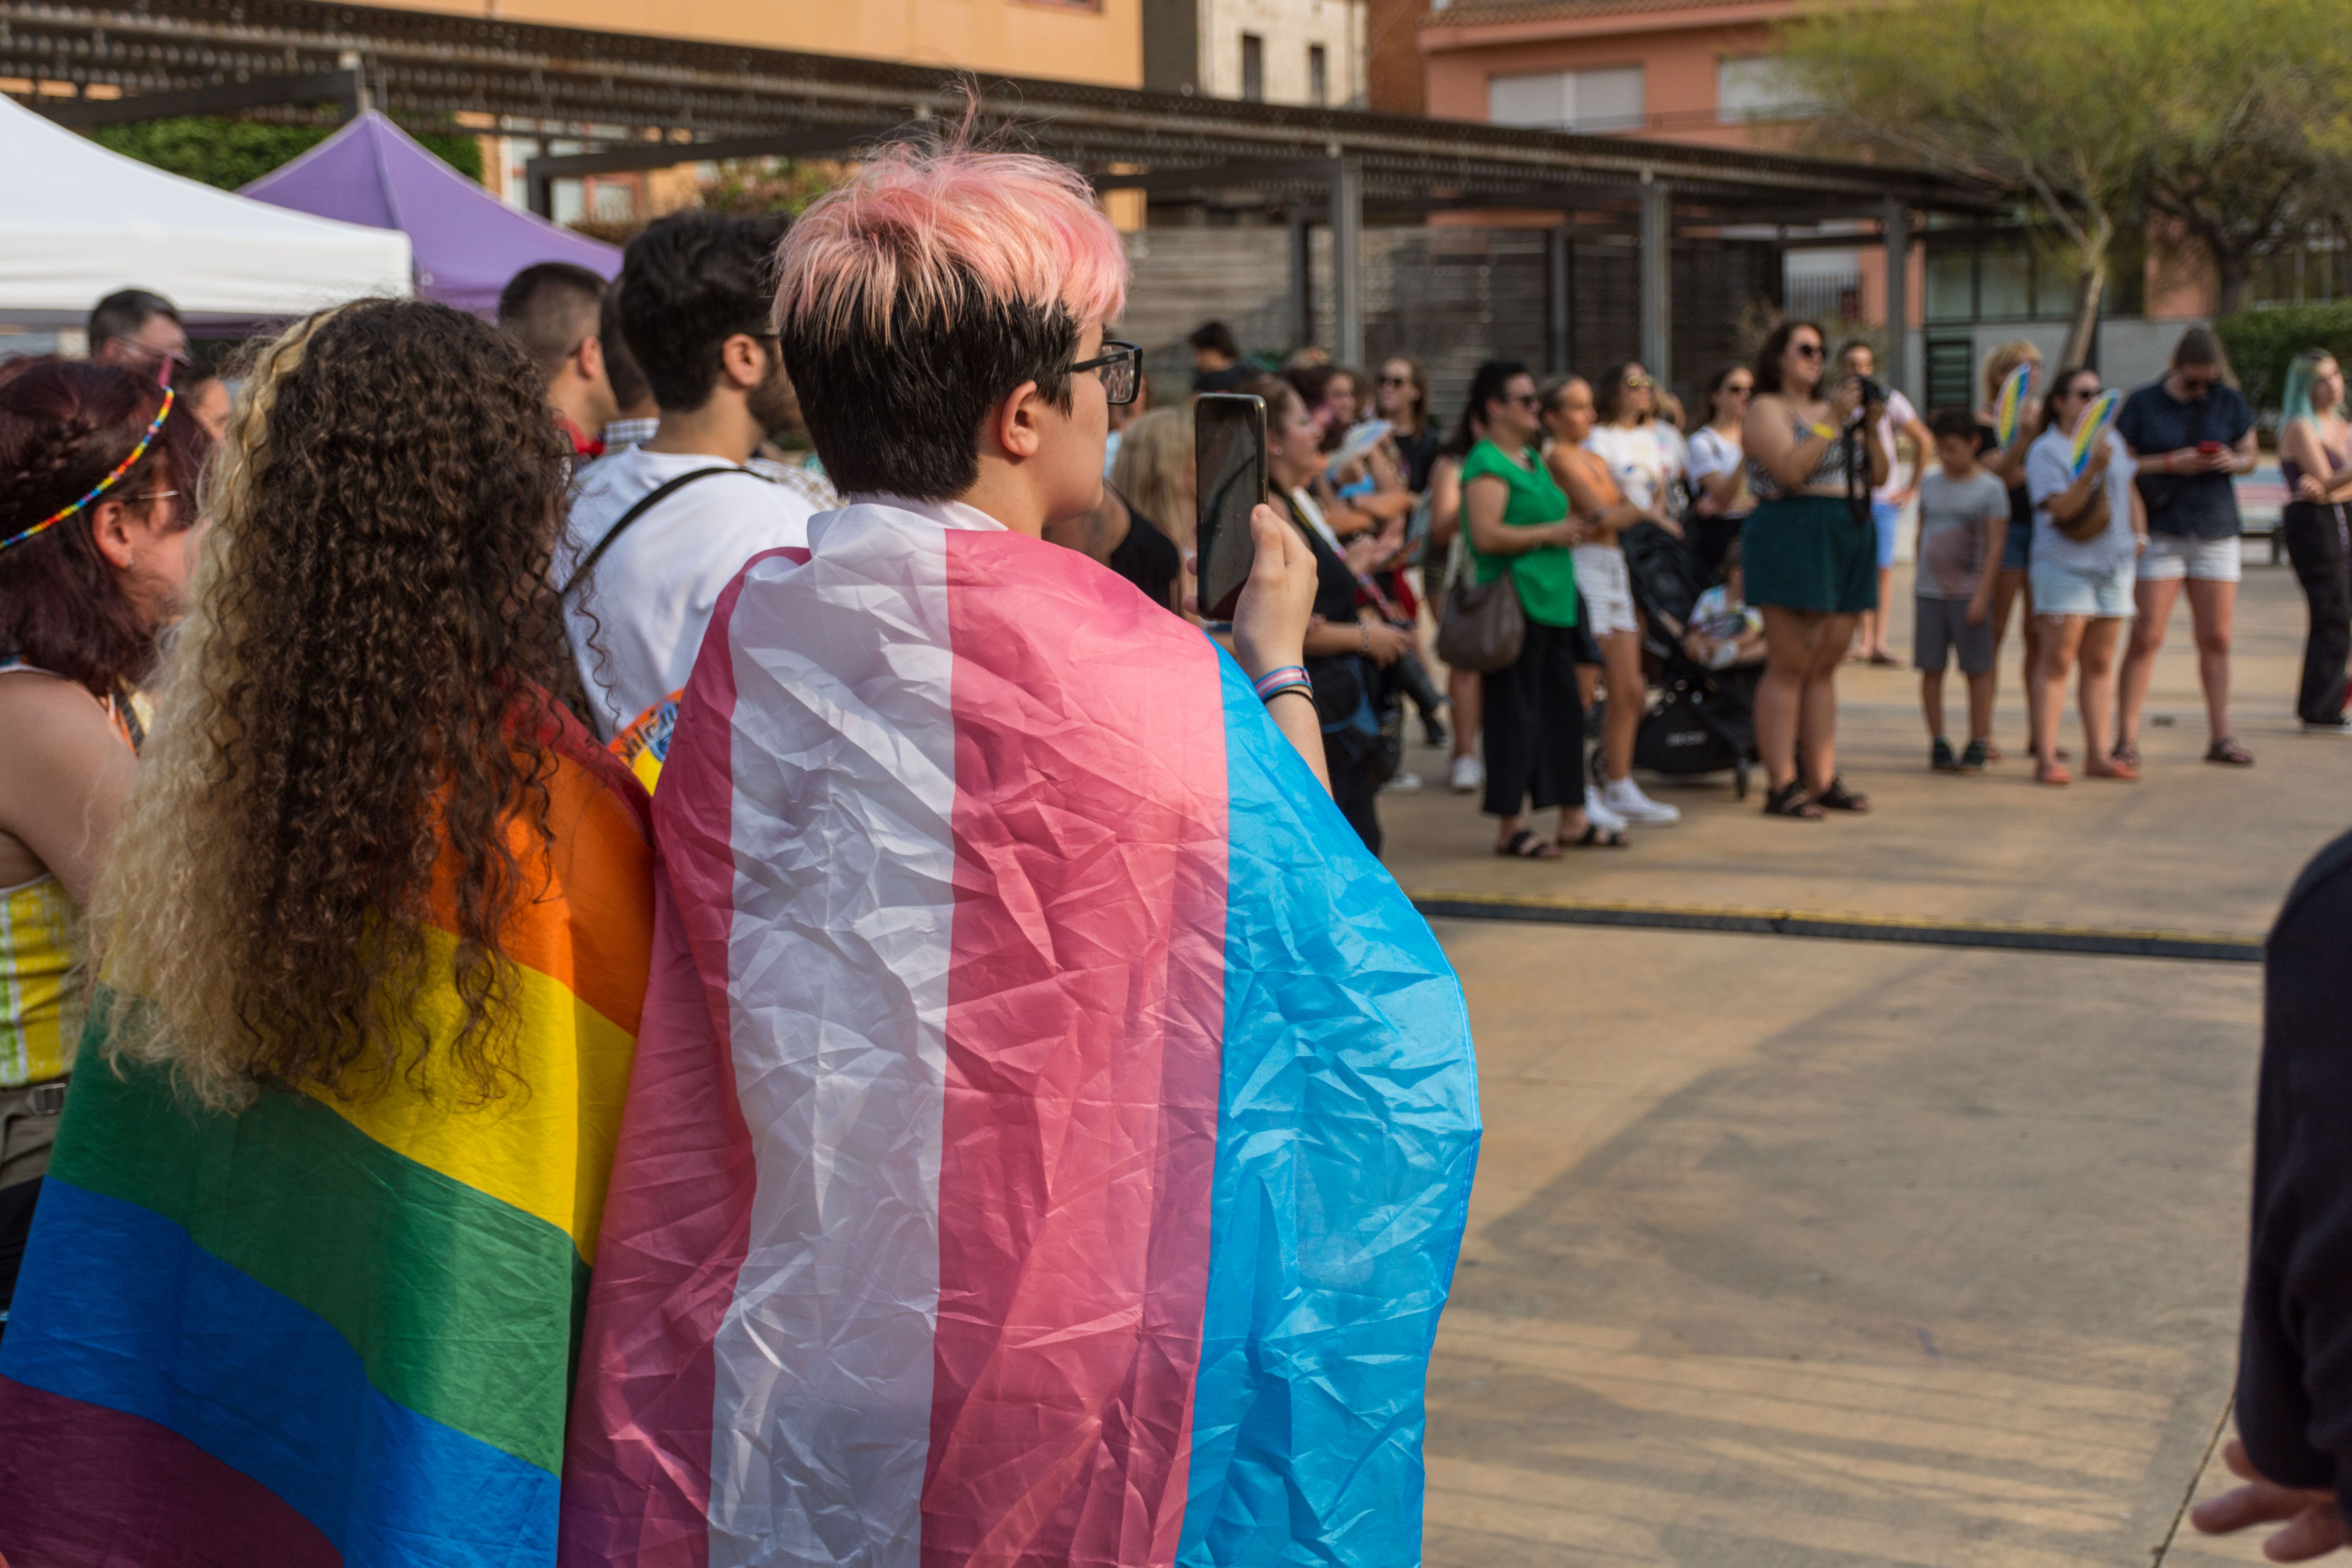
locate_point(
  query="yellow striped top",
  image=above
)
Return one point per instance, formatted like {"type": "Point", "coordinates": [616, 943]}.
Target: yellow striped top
{"type": "Point", "coordinates": [40, 984]}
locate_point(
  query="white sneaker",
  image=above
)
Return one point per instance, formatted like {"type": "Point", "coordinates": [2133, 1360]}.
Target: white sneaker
{"type": "Point", "coordinates": [1467, 776]}
{"type": "Point", "coordinates": [1600, 816]}
{"type": "Point", "coordinates": [1402, 784]}
{"type": "Point", "coordinates": [1625, 797]}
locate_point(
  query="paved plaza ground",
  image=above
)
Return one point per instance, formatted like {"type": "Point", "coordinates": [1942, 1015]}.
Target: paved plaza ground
{"type": "Point", "coordinates": [1788, 1251]}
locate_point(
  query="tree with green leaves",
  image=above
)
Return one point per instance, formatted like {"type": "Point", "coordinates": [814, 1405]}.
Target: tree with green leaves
{"type": "Point", "coordinates": [2252, 130]}
{"type": "Point", "coordinates": [2222, 115]}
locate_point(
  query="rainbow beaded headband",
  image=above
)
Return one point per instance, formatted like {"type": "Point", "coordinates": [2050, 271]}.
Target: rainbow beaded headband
{"type": "Point", "coordinates": [103, 485]}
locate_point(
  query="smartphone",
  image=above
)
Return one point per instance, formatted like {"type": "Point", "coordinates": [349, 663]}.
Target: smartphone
{"type": "Point", "coordinates": [2210, 448]}
{"type": "Point", "coordinates": [1229, 455]}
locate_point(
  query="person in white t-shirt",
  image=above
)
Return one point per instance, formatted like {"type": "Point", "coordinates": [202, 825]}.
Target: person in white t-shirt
{"type": "Point", "coordinates": [1646, 465]}
{"type": "Point", "coordinates": [1888, 500]}
{"type": "Point", "coordinates": [640, 580]}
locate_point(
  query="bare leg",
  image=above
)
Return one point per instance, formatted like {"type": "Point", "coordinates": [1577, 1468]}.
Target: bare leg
{"type": "Point", "coordinates": [1623, 719]}
{"type": "Point", "coordinates": [1817, 712]}
{"type": "Point", "coordinates": [1876, 635]}
{"type": "Point", "coordinates": [2098, 686]}
{"type": "Point", "coordinates": [2155, 600]}
{"type": "Point", "coordinates": [1466, 694]}
{"type": "Point", "coordinates": [1587, 681]}
{"type": "Point", "coordinates": [2061, 635]}
{"type": "Point", "coordinates": [1980, 706]}
{"type": "Point", "coordinates": [2007, 588]}
{"type": "Point", "coordinates": [2212, 606]}
{"type": "Point", "coordinates": [1790, 639]}
{"type": "Point", "coordinates": [1931, 701]}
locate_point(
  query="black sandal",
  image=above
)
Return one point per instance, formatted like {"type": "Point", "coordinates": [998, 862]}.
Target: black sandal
{"type": "Point", "coordinates": [1837, 797]}
{"type": "Point", "coordinates": [1527, 843]}
{"type": "Point", "coordinates": [1593, 838]}
{"type": "Point", "coordinates": [1791, 800]}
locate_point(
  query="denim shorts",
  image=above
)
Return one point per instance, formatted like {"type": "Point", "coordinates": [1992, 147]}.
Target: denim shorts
{"type": "Point", "coordinates": [2174, 555]}
{"type": "Point", "coordinates": [2070, 591]}
{"type": "Point", "coordinates": [1887, 518]}
{"type": "Point", "coordinates": [2017, 550]}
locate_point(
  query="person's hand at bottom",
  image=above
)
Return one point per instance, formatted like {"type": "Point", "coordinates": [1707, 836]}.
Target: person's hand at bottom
{"type": "Point", "coordinates": [1270, 618]}
{"type": "Point", "coordinates": [2313, 1525]}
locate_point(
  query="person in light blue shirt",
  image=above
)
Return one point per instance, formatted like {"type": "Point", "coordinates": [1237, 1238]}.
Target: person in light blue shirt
{"type": "Point", "coordinates": [2088, 531]}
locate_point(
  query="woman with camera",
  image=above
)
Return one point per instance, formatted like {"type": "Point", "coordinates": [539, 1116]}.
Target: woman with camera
{"type": "Point", "coordinates": [2088, 531]}
{"type": "Point", "coordinates": [1809, 555]}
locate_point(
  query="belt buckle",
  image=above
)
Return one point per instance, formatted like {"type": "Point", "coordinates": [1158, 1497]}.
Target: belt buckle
{"type": "Point", "coordinates": [45, 1098]}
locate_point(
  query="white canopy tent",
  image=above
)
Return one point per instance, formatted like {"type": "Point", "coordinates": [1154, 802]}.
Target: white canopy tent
{"type": "Point", "coordinates": [78, 222]}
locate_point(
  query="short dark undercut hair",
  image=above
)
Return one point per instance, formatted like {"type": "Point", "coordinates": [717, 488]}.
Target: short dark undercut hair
{"type": "Point", "coordinates": [689, 283]}
{"type": "Point", "coordinates": [548, 309]}
{"type": "Point", "coordinates": [901, 412]}
{"type": "Point", "coordinates": [122, 314]}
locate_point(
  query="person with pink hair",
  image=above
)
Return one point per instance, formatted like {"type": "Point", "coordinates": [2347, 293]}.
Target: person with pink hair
{"type": "Point", "coordinates": [1051, 1129]}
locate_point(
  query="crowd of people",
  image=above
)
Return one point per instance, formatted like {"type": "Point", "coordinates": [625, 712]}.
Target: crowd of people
{"type": "Point", "coordinates": [380, 748]}
{"type": "Point", "coordinates": [1784, 497]}
{"type": "Point", "coordinates": [372, 824]}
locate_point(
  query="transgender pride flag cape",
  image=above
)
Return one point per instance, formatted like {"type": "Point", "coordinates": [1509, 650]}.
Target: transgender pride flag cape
{"type": "Point", "coordinates": [1051, 1132]}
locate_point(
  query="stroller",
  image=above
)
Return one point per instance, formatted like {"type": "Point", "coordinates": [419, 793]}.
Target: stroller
{"type": "Point", "coordinates": [1703, 720]}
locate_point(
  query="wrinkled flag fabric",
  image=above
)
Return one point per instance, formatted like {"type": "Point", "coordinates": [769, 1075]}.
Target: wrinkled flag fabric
{"type": "Point", "coordinates": [325, 1330]}
{"type": "Point", "coordinates": [1052, 1132]}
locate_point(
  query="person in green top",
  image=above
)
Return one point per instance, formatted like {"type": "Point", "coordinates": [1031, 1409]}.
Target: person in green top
{"type": "Point", "coordinates": [1517, 519]}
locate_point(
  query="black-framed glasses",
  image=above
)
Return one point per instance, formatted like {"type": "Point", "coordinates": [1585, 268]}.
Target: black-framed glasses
{"type": "Point", "coordinates": [1122, 371]}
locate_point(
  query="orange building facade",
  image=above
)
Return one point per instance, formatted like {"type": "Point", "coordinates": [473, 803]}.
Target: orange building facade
{"type": "Point", "coordinates": [1066, 40]}
{"type": "Point", "coordinates": [1704, 71]}
{"type": "Point", "coordinates": [1656, 69]}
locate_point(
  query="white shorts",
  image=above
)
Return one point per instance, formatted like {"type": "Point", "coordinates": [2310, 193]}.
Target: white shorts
{"type": "Point", "coordinates": [2170, 557]}
{"type": "Point", "coordinates": [1604, 588]}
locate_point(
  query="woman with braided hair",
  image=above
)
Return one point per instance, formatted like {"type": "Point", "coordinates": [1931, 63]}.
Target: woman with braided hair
{"type": "Point", "coordinates": [97, 483]}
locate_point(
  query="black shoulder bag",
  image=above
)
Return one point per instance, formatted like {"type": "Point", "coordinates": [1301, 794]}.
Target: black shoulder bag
{"type": "Point", "coordinates": [646, 503]}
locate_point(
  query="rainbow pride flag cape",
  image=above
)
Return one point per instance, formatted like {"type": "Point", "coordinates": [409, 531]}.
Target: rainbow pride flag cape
{"type": "Point", "coordinates": [321, 1331]}
{"type": "Point", "coordinates": [1052, 1132]}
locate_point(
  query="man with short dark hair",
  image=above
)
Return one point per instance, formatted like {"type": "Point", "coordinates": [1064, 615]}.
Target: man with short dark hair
{"type": "Point", "coordinates": [138, 330]}
{"type": "Point", "coordinates": [1216, 359]}
{"type": "Point", "coordinates": [639, 414]}
{"type": "Point", "coordinates": [550, 311]}
{"type": "Point", "coordinates": [657, 530]}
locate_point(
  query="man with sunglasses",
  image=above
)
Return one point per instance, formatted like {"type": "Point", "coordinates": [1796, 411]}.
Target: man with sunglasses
{"type": "Point", "coordinates": [2191, 434]}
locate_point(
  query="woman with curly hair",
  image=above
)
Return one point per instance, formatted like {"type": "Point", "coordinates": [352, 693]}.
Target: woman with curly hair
{"type": "Point", "coordinates": [373, 944]}
{"type": "Point", "coordinates": [97, 482]}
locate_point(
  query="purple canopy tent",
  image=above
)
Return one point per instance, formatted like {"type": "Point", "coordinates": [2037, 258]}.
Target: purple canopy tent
{"type": "Point", "coordinates": [467, 242]}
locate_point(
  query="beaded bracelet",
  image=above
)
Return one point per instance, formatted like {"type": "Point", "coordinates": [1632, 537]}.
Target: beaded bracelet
{"type": "Point", "coordinates": [1274, 681]}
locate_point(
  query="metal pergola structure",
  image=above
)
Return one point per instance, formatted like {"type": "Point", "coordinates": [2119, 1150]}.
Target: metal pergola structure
{"type": "Point", "coordinates": [657, 102]}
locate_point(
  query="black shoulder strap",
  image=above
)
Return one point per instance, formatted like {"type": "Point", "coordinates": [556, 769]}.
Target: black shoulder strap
{"type": "Point", "coordinates": [646, 503]}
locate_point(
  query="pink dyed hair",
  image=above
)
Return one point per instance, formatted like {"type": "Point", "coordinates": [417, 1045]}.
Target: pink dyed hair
{"type": "Point", "coordinates": [1025, 229]}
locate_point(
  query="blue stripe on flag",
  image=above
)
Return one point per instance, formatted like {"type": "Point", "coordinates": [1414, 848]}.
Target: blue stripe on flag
{"type": "Point", "coordinates": [1348, 1129]}
{"type": "Point", "coordinates": [133, 1316]}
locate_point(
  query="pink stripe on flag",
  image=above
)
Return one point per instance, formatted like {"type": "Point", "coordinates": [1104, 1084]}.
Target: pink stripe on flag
{"type": "Point", "coordinates": [1084, 1012]}
{"type": "Point", "coordinates": [636, 1473]}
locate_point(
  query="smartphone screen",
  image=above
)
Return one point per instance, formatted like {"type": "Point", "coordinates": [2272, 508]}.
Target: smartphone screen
{"type": "Point", "coordinates": [1229, 452]}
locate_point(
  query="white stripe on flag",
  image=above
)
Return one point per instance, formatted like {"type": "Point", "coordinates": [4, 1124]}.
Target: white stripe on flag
{"type": "Point", "coordinates": [844, 763]}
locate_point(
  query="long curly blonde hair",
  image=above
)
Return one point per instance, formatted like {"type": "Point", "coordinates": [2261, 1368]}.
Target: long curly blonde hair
{"type": "Point", "coordinates": [336, 724]}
